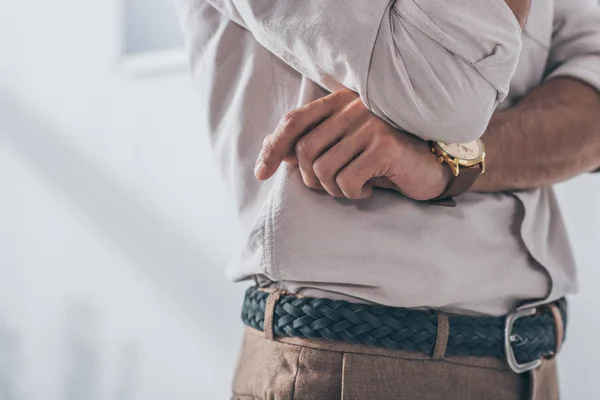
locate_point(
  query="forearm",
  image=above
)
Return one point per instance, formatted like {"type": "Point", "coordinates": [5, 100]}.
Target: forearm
{"type": "Point", "coordinates": [550, 136]}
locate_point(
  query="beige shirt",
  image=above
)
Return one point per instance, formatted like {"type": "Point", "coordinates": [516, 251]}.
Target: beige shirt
{"type": "Point", "coordinates": [437, 69]}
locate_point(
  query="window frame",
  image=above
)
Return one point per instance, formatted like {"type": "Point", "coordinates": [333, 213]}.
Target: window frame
{"type": "Point", "coordinates": [149, 62]}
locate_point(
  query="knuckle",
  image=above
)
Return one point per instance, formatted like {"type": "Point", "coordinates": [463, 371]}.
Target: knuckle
{"type": "Point", "coordinates": [303, 148]}
{"type": "Point", "coordinates": [351, 112]}
{"type": "Point", "coordinates": [346, 182]}
{"type": "Point", "coordinates": [290, 120]}
{"type": "Point", "coordinates": [322, 170]}
{"type": "Point", "coordinates": [267, 140]}
{"type": "Point", "coordinates": [356, 170]}
{"type": "Point", "coordinates": [343, 118]}
{"type": "Point", "coordinates": [372, 122]}
{"type": "Point", "coordinates": [358, 106]}
{"type": "Point", "coordinates": [377, 125]}
{"type": "Point", "coordinates": [267, 150]}
{"type": "Point", "coordinates": [343, 94]}
{"type": "Point", "coordinates": [341, 98]}
{"type": "Point", "coordinates": [382, 139]}
{"type": "Point", "coordinates": [311, 183]}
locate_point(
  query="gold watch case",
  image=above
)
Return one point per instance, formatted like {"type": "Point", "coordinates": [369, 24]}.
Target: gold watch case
{"type": "Point", "coordinates": [458, 155]}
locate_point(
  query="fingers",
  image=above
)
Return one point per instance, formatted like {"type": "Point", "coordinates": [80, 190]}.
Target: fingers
{"type": "Point", "coordinates": [328, 165]}
{"type": "Point", "coordinates": [353, 180]}
{"type": "Point", "coordinates": [293, 125]}
{"type": "Point", "coordinates": [320, 140]}
{"type": "Point", "coordinates": [309, 147]}
{"type": "Point", "coordinates": [384, 182]}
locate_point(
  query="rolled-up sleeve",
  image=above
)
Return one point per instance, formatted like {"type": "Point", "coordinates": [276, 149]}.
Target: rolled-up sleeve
{"type": "Point", "coordinates": [439, 70]}
{"type": "Point", "coordinates": [435, 69]}
{"type": "Point", "coordinates": [575, 50]}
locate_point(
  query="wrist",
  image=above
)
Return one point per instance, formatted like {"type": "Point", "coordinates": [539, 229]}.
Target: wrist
{"type": "Point", "coordinates": [436, 176]}
{"type": "Point", "coordinates": [463, 162]}
{"type": "Point", "coordinates": [443, 178]}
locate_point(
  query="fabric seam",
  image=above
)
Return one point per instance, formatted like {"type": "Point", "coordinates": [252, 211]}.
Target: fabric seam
{"type": "Point", "coordinates": [534, 256]}
{"type": "Point", "coordinates": [343, 372]}
{"type": "Point", "coordinates": [267, 237]}
{"type": "Point", "coordinates": [275, 82]}
{"type": "Point", "coordinates": [462, 56]}
{"type": "Point", "coordinates": [537, 41]}
{"type": "Point", "coordinates": [269, 231]}
{"type": "Point", "coordinates": [426, 359]}
{"type": "Point", "coordinates": [370, 62]}
{"type": "Point", "coordinates": [297, 372]}
{"type": "Point", "coordinates": [271, 237]}
{"type": "Point", "coordinates": [565, 69]}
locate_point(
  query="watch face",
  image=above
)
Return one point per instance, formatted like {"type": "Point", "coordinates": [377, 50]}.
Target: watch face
{"type": "Point", "coordinates": [464, 151]}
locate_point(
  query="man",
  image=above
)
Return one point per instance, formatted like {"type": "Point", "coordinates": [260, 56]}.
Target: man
{"type": "Point", "coordinates": [369, 287]}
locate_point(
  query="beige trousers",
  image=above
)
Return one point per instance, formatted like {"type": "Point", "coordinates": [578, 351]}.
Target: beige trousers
{"type": "Point", "coordinates": [283, 368]}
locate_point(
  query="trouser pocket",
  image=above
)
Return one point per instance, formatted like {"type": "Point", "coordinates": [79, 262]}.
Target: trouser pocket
{"type": "Point", "coordinates": [379, 377]}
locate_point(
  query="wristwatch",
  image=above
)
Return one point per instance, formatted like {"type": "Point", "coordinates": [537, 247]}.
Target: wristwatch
{"type": "Point", "coordinates": [465, 160]}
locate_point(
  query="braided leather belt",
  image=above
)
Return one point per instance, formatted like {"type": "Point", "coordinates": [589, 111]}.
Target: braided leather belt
{"type": "Point", "coordinates": [523, 338]}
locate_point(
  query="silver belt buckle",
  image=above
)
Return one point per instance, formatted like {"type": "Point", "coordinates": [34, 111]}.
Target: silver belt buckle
{"type": "Point", "coordinates": [509, 338]}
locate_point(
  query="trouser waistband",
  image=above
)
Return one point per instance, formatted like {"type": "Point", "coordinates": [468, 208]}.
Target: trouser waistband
{"type": "Point", "coordinates": [522, 338]}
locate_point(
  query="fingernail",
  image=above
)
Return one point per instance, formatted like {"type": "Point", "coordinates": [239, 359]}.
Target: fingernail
{"type": "Point", "coordinates": [260, 169]}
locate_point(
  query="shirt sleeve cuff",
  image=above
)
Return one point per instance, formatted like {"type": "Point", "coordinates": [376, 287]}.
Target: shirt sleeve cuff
{"type": "Point", "coordinates": [486, 35]}
{"type": "Point", "coordinates": [584, 68]}
{"type": "Point", "coordinates": [500, 66]}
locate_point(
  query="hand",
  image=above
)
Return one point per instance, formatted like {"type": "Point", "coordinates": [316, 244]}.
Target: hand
{"type": "Point", "coordinates": [343, 148]}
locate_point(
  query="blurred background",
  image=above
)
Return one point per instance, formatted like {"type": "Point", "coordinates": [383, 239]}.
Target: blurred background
{"type": "Point", "coordinates": [115, 227]}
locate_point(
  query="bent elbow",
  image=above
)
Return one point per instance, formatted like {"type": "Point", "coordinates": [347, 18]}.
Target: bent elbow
{"type": "Point", "coordinates": [442, 89]}
{"type": "Point", "coordinates": [466, 123]}
{"type": "Point", "coordinates": [461, 119]}
{"type": "Point", "coordinates": [453, 104]}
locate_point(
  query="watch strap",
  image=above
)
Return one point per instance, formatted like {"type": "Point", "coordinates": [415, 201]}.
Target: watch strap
{"type": "Point", "coordinates": [458, 185]}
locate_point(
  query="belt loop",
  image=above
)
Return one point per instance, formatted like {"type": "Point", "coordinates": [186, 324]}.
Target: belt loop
{"type": "Point", "coordinates": [270, 310]}
{"type": "Point", "coordinates": [441, 341]}
{"type": "Point", "coordinates": [559, 327]}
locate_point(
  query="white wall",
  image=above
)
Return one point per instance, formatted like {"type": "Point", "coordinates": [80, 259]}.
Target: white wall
{"type": "Point", "coordinates": [580, 200]}
{"type": "Point", "coordinates": [114, 227]}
